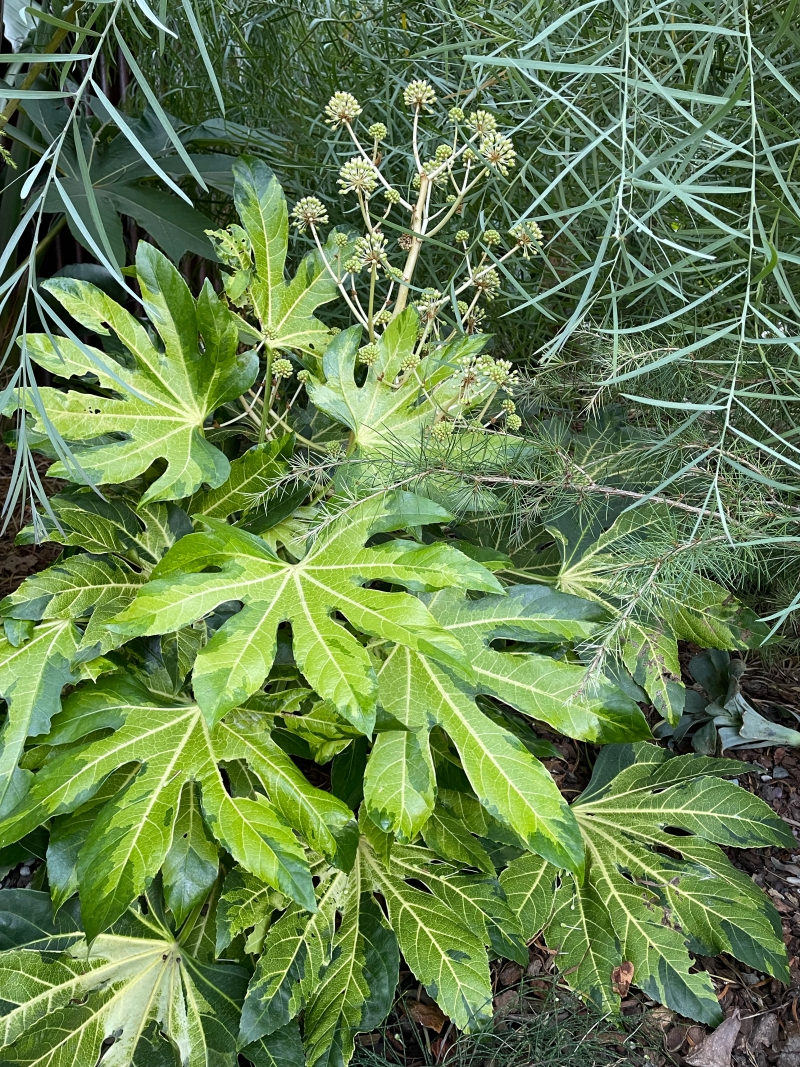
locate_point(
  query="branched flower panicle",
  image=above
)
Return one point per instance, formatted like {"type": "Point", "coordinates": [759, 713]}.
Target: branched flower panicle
{"type": "Point", "coordinates": [368, 355]}
{"type": "Point", "coordinates": [498, 151]}
{"type": "Point", "coordinates": [357, 175]}
{"type": "Point", "coordinates": [282, 368]}
{"type": "Point", "coordinates": [419, 94]}
{"type": "Point", "coordinates": [370, 250]}
{"type": "Point", "coordinates": [528, 236]}
{"type": "Point", "coordinates": [308, 213]}
{"type": "Point", "coordinates": [482, 122]}
{"type": "Point", "coordinates": [342, 109]}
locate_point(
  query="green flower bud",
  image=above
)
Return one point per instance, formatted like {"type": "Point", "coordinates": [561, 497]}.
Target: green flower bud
{"type": "Point", "coordinates": [462, 236]}
{"type": "Point", "coordinates": [341, 240]}
{"type": "Point", "coordinates": [368, 355]}
{"type": "Point", "coordinates": [491, 238]}
{"type": "Point", "coordinates": [377, 131]}
{"type": "Point", "coordinates": [282, 368]}
{"type": "Point", "coordinates": [513, 422]}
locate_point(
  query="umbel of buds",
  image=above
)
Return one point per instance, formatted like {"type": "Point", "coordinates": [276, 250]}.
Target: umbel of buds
{"type": "Point", "coordinates": [282, 368]}
{"type": "Point", "coordinates": [309, 212]}
{"type": "Point", "coordinates": [342, 109]}
{"type": "Point", "coordinates": [419, 95]}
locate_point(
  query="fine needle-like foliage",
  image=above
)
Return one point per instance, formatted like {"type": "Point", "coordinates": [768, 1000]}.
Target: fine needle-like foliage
{"type": "Point", "coordinates": [271, 718]}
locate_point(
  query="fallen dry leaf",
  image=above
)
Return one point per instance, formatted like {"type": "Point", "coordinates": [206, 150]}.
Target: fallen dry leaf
{"type": "Point", "coordinates": [715, 1050]}
{"type": "Point", "coordinates": [765, 1033]}
{"type": "Point", "coordinates": [511, 974]}
{"type": "Point", "coordinates": [429, 1015]}
{"type": "Point", "coordinates": [621, 978]}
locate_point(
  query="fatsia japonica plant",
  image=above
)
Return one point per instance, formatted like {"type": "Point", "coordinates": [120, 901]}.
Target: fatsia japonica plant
{"type": "Point", "coordinates": [269, 732]}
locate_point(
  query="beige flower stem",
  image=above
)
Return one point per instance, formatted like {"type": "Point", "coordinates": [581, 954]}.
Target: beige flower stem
{"type": "Point", "coordinates": [371, 310]}
{"type": "Point", "coordinates": [417, 227]}
{"type": "Point", "coordinates": [262, 427]}
{"type": "Point", "coordinates": [339, 284]}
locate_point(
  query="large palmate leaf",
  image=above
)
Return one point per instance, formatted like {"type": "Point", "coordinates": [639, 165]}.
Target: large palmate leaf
{"type": "Point", "coordinates": [340, 975]}
{"type": "Point", "coordinates": [386, 414]}
{"type": "Point", "coordinates": [252, 476]}
{"type": "Point", "coordinates": [656, 887]}
{"type": "Point", "coordinates": [99, 524]}
{"type": "Point", "coordinates": [163, 398]}
{"type": "Point", "coordinates": [135, 995]}
{"type": "Point", "coordinates": [134, 832]}
{"type": "Point", "coordinates": [285, 310]}
{"type": "Point", "coordinates": [329, 578]}
{"type": "Point", "coordinates": [85, 588]}
{"type": "Point", "coordinates": [32, 675]}
{"type": "Point", "coordinates": [507, 778]}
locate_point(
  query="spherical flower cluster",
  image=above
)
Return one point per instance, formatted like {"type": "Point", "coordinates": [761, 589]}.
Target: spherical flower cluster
{"type": "Point", "coordinates": [443, 152]}
{"type": "Point", "coordinates": [392, 196]}
{"type": "Point", "coordinates": [473, 322]}
{"type": "Point", "coordinates": [429, 303]}
{"type": "Point", "coordinates": [383, 318]}
{"type": "Point", "coordinates": [509, 407]}
{"type": "Point", "coordinates": [527, 235]}
{"type": "Point", "coordinates": [270, 333]}
{"type": "Point", "coordinates": [419, 94]}
{"type": "Point", "coordinates": [462, 236]}
{"type": "Point", "coordinates": [377, 131]}
{"type": "Point", "coordinates": [395, 273]}
{"type": "Point", "coordinates": [405, 240]}
{"type": "Point", "coordinates": [368, 355]}
{"type": "Point", "coordinates": [491, 238]}
{"type": "Point", "coordinates": [353, 265]}
{"type": "Point", "coordinates": [468, 156]}
{"type": "Point", "coordinates": [455, 114]}
{"type": "Point", "coordinates": [513, 422]}
{"type": "Point", "coordinates": [341, 240]}
{"type": "Point", "coordinates": [488, 281]}
{"type": "Point", "coordinates": [481, 122]}
{"type": "Point", "coordinates": [335, 449]}
{"type": "Point", "coordinates": [341, 109]}
{"type": "Point", "coordinates": [309, 212]}
{"type": "Point", "coordinates": [498, 151]}
{"type": "Point", "coordinates": [282, 368]}
{"type": "Point", "coordinates": [440, 431]}
{"type": "Point", "coordinates": [304, 377]}
{"type": "Point", "coordinates": [498, 371]}
{"type": "Point", "coordinates": [451, 199]}
{"type": "Point", "coordinates": [357, 176]}
{"type": "Point", "coordinates": [370, 250]}
{"type": "Point", "coordinates": [410, 361]}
